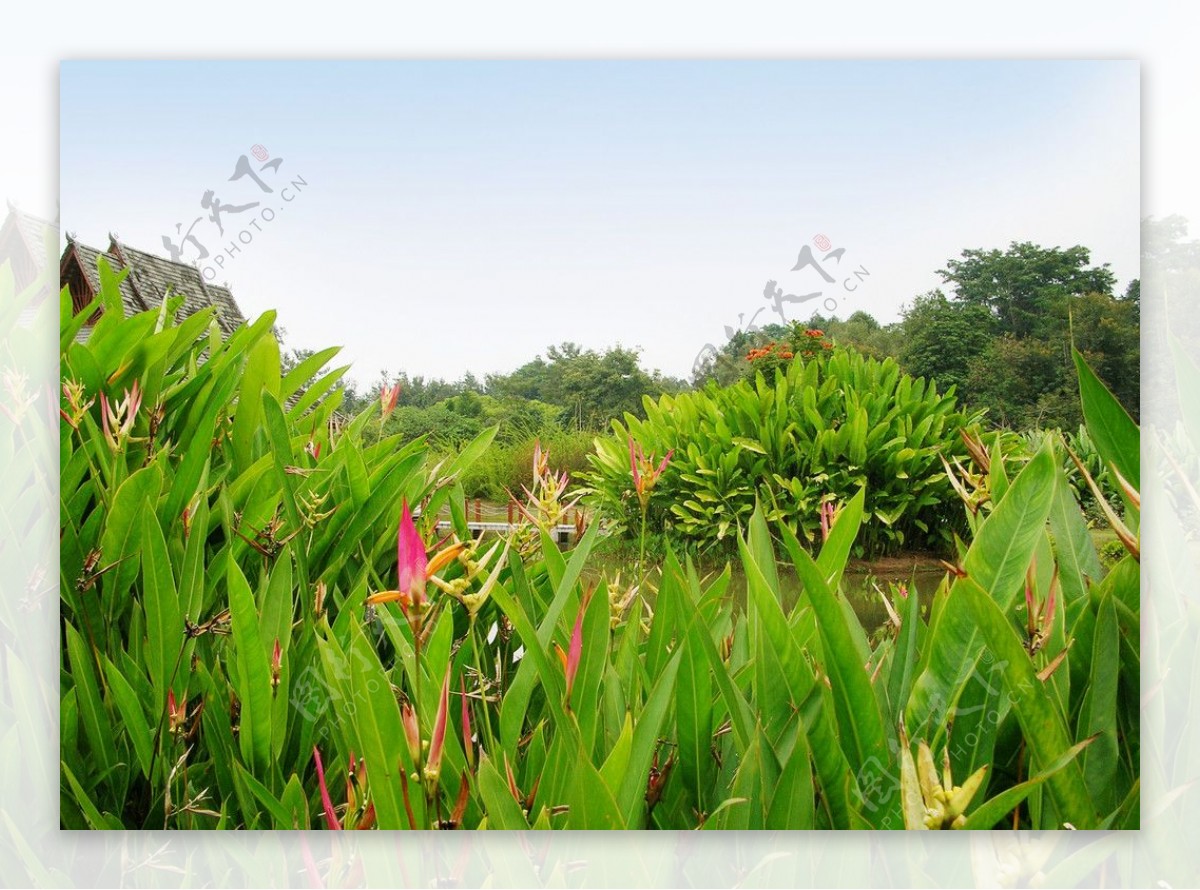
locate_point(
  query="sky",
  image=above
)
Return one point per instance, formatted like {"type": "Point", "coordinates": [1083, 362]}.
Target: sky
{"type": "Point", "coordinates": [440, 217]}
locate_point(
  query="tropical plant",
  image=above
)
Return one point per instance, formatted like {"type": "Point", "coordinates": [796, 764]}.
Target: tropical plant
{"type": "Point", "coordinates": [215, 515]}
{"type": "Point", "coordinates": [243, 647]}
{"type": "Point", "coordinates": [810, 434]}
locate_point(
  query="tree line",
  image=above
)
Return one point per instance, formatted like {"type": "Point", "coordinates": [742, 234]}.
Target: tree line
{"type": "Point", "coordinates": [999, 330]}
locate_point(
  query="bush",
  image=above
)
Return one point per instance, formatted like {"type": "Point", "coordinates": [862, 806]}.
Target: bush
{"type": "Point", "coordinates": [208, 498]}
{"type": "Point", "coordinates": [506, 467]}
{"type": "Point", "coordinates": [235, 654]}
{"type": "Point", "coordinates": [813, 433]}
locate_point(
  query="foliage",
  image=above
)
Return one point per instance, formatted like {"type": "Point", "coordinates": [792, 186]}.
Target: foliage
{"type": "Point", "coordinates": [1081, 445]}
{"type": "Point", "coordinates": [591, 387]}
{"type": "Point", "coordinates": [504, 468]}
{"type": "Point", "coordinates": [238, 652]}
{"type": "Point", "coordinates": [1026, 288]}
{"type": "Point", "coordinates": [202, 489]}
{"type": "Point", "coordinates": [811, 436]}
{"type": "Point", "coordinates": [941, 337]}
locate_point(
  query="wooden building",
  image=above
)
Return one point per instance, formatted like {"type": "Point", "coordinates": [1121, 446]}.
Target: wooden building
{"type": "Point", "coordinates": [151, 279]}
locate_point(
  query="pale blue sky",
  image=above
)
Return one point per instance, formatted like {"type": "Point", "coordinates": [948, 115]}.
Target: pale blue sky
{"type": "Point", "coordinates": [464, 215]}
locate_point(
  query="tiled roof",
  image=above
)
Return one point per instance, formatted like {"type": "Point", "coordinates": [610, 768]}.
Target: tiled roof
{"type": "Point", "coordinates": [33, 231]}
{"type": "Point", "coordinates": [88, 261]}
{"type": "Point", "coordinates": [151, 278]}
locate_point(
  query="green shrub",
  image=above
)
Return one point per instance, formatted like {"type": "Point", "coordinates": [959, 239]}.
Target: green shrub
{"type": "Point", "coordinates": [507, 466]}
{"type": "Point", "coordinates": [212, 509]}
{"type": "Point", "coordinates": [235, 653]}
{"type": "Point", "coordinates": [813, 434]}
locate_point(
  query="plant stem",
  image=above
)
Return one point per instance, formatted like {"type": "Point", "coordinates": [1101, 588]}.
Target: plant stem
{"type": "Point", "coordinates": [487, 723]}
{"type": "Point", "coordinates": [642, 552]}
{"type": "Point", "coordinates": [416, 692]}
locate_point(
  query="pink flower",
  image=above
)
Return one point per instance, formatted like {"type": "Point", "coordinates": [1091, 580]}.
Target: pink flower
{"type": "Point", "coordinates": [411, 559]}
{"type": "Point", "coordinates": [571, 658]}
{"type": "Point", "coordinates": [433, 767]}
{"type": "Point", "coordinates": [116, 418]}
{"type": "Point", "coordinates": [828, 518]}
{"type": "Point", "coordinates": [388, 396]}
{"type": "Point", "coordinates": [645, 474]}
{"type": "Point", "coordinates": [413, 569]}
{"type": "Point", "coordinates": [331, 819]}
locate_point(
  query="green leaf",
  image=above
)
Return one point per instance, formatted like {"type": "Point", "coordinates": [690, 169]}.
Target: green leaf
{"type": "Point", "coordinates": [1116, 436]}
{"type": "Point", "coordinates": [834, 553]}
{"type": "Point", "coordinates": [793, 797]}
{"type": "Point", "coordinates": [164, 623]}
{"type": "Point", "coordinates": [740, 715]}
{"type": "Point", "coordinates": [136, 726]}
{"type": "Point", "coordinates": [473, 451]}
{"type": "Point", "coordinates": [380, 733]}
{"type": "Point", "coordinates": [1042, 723]}
{"type": "Point", "coordinates": [990, 812]}
{"type": "Point", "coordinates": [694, 715]}
{"type": "Point", "coordinates": [904, 658]}
{"type": "Point", "coordinates": [122, 538]}
{"type": "Point", "coordinates": [304, 371]}
{"type": "Point", "coordinates": [254, 673]}
{"type": "Point", "coordinates": [279, 813]}
{"type": "Point", "coordinates": [261, 374]}
{"type": "Point", "coordinates": [996, 562]}
{"type": "Point", "coordinates": [613, 770]}
{"type": "Point", "coordinates": [1098, 715]}
{"type": "Point", "coordinates": [592, 804]}
{"type": "Point", "coordinates": [90, 811]}
{"type": "Point", "coordinates": [96, 724]}
{"type": "Point", "coordinates": [503, 811]}
{"type": "Point", "coordinates": [755, 782]}
{"type": "Point", "coordinates": [646, 733]}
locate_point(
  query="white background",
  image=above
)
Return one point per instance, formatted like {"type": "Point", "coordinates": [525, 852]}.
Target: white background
{"type": "Point", "coordinates": [1158, 34]}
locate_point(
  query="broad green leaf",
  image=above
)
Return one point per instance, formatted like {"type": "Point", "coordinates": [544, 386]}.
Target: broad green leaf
{"type": "Point", "coordinates": [990, 812]}
{"type": "Point", "coordinates": [613, 770]}
{"type": "Point", "coordinates": [1042, 723]}
{"type": "Point", "coordinates": [996, 562]}
{"type": "Point", "coordinates": [141, 736]}
{"type": "Point", "coordinates": [164, 622]}
{"type": "Point", "coordinates": [261, 374]}
{"type": "Point", "coordinates": [1098, 716]}
{"type": "Point", "coordinates": [254, 673]}
{"type": "Point", "coordinates": [1116, 436]}
{"type": "Point", "coordinates": [793, 797]}
{"type": "Point", "coordinates": [646, 733]}
{"type": "Point", "coordinates": [592, 804]}
{"type": "Point", "coordinates": [694, 714]}
{"type": "Point", "coordinates": [376, 722]}
{"type": "Point", "coordinates": [96, 724]}
{"type": "Point", "coordinates": [503, 811]}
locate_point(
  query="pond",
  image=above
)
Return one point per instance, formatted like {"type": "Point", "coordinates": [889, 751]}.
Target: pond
{"type": "Point", "coordinates": [861, 582]}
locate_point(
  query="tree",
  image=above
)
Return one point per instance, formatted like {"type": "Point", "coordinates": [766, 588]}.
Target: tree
{"type": "Point", "coordinates": [941, 338]}
{"type": "Point", "coordinates": [1025, 383]}
{"type": "Point", "coordinates": [1026, 287]}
